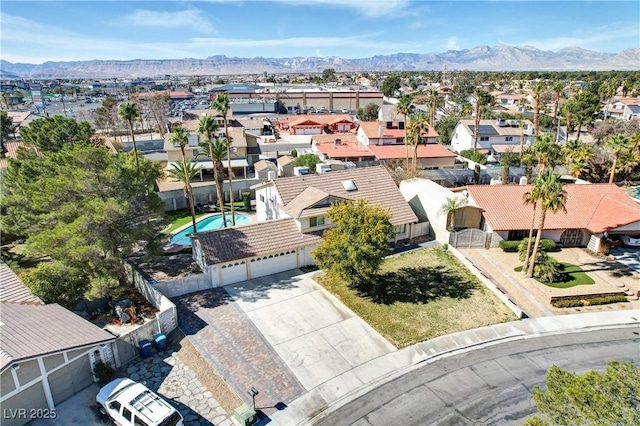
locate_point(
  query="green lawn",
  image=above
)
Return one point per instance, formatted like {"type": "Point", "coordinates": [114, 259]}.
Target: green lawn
{"type": "Point", "coordinates": [420, 295]}
{"type": "Point", "coordinates": [178, 218]}
{"type": "Point", "coordinates": [573, 276]}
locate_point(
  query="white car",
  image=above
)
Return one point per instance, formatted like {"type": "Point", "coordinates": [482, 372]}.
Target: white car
{"type": "Point", "coordinates": [131, 403]}
{"type": "Point", "coordinates": [630, 240]}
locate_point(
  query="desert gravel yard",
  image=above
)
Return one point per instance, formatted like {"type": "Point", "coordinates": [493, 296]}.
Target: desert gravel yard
{"type": "Point", "coordinates": [420, 295]}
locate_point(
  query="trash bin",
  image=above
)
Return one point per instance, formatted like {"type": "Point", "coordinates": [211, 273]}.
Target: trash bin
{"type": "Point", "coordinates": [245, 415]}
{"type": "Point", "coordinates": [161, 342]}
{"type": "Point", "coordinates": [145, 348]}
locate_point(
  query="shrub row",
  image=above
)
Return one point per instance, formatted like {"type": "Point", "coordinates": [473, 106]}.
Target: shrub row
{"type": "Point", "coordinates": [545, 245]}
{"type": "Point", "coordinates": [593, 301]}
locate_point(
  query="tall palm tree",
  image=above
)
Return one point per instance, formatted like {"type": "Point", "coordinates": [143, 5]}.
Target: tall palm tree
{"type": "Point", "coordinates": [185, 172]}
{"type": "Point", "coordinates": [405, 107]}
{"type": "Point", "coordinates": [557, 92]}
{"type": "Point", "coordinates": [216, 149]}
{"type": "Point", "coordinates": [449, 209]}
{"type": "Point", "coordinates": [482, 99]}
{"type": "Point", "coordinates": [416, 129]}
{"type": "Point", "coordinates": [221, 103]}
{"type": "Point", "coordinates": [617, 144]}
{"type": "Point", "coordinates": [530, 197]}
{"type": "Point", "coordinates": [552, 198]}
{"type": "Point", "coordinates": [538, 90]}
{"type": "Point", "coordinates": [435, 100]}
{"type": "Point", "coordinates": [130, 112]}
{"type": "Point", "coordinates": [181, 137]}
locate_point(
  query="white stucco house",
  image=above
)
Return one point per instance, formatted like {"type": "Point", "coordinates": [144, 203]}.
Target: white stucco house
{"type": "Point", "coordinates": [494, 136]}
{"type": "Point", "coordinates": [623, 109]}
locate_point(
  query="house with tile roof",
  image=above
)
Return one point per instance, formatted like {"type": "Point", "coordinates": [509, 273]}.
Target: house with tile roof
{"type": "Point", "coordinates": [494, 136]}
{"type": "Point", "coordinates": [285, 165]}
{"type": "Point", "coordinates": [623, 109]}
{"type": "Point", "coordinates": [47, 352]}
{"type": "Point", "coordinates": [592, 210]}
{"type": "Point", "coordinates": [320, 124]}
{"type": "Point", "coordinates": [343, 147]}
{"type": "Point", "coordinates": [291, 215]}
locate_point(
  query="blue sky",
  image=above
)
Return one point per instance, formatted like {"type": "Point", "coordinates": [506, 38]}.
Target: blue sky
{"type": "Point", "coordinates": [39, 31]}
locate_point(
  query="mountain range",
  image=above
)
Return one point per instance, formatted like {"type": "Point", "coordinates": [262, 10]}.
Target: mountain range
{"type": "Point", "coordinates": [480, 58]}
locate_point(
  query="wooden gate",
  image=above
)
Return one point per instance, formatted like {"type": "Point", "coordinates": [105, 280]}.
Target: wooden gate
{"type": "Point", "coordinates": [470, 238]}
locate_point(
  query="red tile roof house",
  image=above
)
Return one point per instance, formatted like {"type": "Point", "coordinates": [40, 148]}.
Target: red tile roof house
{"type": "Point", "coordinates": [387, 144]}
{"type": "Point", "coordinates": [343, 147]}
{"type": "Point", "coordinates": [321, 124]}
{"type": "Point", "coordinates": [592, 210]}
{"type": "Point", "coordinates": [291, 212]}
{"type": "Point", "coordinates": [47, 353]}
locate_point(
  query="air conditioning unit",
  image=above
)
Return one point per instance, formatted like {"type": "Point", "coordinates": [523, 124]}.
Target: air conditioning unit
{"type": "Point", "coordinates": [501, 122]}
{"type": "Point", "coordinates": [528, 130]}
{"type": "Point", "coordinates": [323, 168]}
{"type": "Point", "coordinates": [300, 171]}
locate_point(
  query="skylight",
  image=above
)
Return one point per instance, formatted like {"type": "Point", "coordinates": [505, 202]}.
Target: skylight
{"type": "Point", "coordinates": [349, 185]}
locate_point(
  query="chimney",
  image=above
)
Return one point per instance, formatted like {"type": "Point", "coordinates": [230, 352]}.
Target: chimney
{"type": "Point", "coordinates": [380, 131]}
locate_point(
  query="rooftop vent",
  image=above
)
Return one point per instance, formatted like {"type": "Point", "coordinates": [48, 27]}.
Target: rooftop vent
{"type": "Point", "coordinates": [349, 185]}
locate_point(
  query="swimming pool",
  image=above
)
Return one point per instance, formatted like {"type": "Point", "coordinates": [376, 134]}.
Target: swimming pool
{"type": "Point", "coordinates": [207, 224]}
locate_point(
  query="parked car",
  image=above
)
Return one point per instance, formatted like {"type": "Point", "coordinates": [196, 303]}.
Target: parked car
{"type": "Point", "coordinates": [630, 240]}
{"type": "Point", "coordinates": [131, 403]}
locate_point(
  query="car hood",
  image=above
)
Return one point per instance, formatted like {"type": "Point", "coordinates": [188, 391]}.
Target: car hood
{"type": "Point", "coordinates": [110, 388]}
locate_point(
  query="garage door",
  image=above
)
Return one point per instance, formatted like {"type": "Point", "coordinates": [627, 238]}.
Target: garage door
{"type": "Point", "coordinates": [31, 398]}
{"type": "Point", "coordinates": [233, 272]}
{"type": "Point", "coordinates": [70, 379]}
{"type": "Point", "coordinates": [273, 263]}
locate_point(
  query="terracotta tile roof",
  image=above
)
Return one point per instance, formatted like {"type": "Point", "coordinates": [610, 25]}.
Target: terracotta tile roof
{"type": "Point", "coordinates": [596, 207]}
{"type": "Point", "coordinates": [344, 137]}
{"type": "Point", "coordinates": [344, 150]}
{"type": "Point", "coordinates": [228, 244]}
{"type": "Point", "coordinates": [12, 148]}
{"type": "Point", "coordinates": [372, 129]}
{"type": "Point", "coordinates": [374, 184]}
{"type": "Point", "coordinates": [33, 330]}
{"type": "Point", "coordinates": [12, 289]}
{"type": "Point", "coordinates": [389, 152]}
{"type": "Point", "coordinates": [630, 101]}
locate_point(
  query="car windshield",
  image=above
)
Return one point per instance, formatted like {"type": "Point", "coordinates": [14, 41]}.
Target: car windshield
{"type": "Point", "coordinates": [172, 420]}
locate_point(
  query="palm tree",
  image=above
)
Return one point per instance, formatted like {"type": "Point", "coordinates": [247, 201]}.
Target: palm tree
{"type": "Point", "coordinates": [130, 112]}
{"type": "Point", "coordinates": [435, 100]}
{"type": "Point", "coordinates": [216, 149]}
{"type": "Point", "coordinates": [530, 197]}
{"type": "Point", "coordinates": [221, 103]}
{"type": "Point", "coordinates": [405, 107]}
{"type": "Point", "coordinates": [552, 197]}
{"type": "Point", "coordinates": [617, 144]}
{"type": "Point", "coordinates": [482, 99]}
{"type": "Point", "coordinates": [538, 90]}
{"type": "Point", "coordinates": [415, 130]}
{"type": "Point", "coordinates": [181, 136]}
{"type": "Point", "coordinates": [185, 171]}
{"type": "Point", "coordinates": [557, 92]}
{"type": "Point", "coordinates": [546, 152]}
{"type": "Point", "coordinates": [449, 209]}
{"type": "Point", "coordinates": [577, 155]}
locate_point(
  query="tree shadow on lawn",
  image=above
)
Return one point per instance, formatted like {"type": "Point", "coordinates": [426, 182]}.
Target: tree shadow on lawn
{"type": "Point", "coordinates": [416, 285]}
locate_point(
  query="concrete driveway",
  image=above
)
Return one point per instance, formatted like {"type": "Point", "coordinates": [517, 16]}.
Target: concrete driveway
{"type": "Point", "coordinates": [316, 336]}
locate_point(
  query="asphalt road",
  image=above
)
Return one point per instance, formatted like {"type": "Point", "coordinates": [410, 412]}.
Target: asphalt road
{"type": "Point", "coordinates": [488, 386]}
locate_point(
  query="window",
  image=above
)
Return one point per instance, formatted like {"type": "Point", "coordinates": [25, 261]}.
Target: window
{"type": "Point", "coordinates": [484, 138]}
{"type": "Point", "coordinates": [126, 414]}
{"type": "Point", "coordinates": [402, 229]}
{"type": "Point", "coordinates": [262, 198]}
{"type": "Point", "coordinates": [508, 138]}
{"type": "Point", "coordinates": [316, 221]}
{"type": "Point", "coordinates": [139, 422]}
{"type": "Point", "coordinates": [520, 235]}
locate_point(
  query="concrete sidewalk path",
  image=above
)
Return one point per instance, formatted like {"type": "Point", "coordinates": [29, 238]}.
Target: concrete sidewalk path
{"type": "Point", "coordinates": [358, 381]}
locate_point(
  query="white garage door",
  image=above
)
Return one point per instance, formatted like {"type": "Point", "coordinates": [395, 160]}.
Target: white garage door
{"type": "Point", "coordinates": [233, 272]}
{"type": "Point", "coordinates": [273, 263]}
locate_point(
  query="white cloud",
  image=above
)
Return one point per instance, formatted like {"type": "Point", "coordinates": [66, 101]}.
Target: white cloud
{"type": "Point", "coordinates": [190, 18]}
{"type": "Point", "coordinates": [366, 8]}
{"type": "Point", "coordinates": [596, 39]}
{"type": "Point", "coordinates": [452, 43]}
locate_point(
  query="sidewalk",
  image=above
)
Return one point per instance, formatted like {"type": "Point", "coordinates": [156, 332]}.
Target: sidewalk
{"type": "Point", "coordinates": [340, 390]}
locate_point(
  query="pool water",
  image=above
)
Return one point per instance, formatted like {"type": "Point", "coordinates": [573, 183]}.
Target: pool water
{"type": "Point", "coordinates": [208, 224]}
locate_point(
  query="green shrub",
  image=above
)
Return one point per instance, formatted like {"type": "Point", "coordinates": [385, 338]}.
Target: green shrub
{"type": "Point", "coordinates": [605, 300]}
{"type": "Point", "coordinates": [474, 156]}
{"type": "Point", "coordinates": [546, 246]}
{"type": "Point", "coordinates": [104, 372]}
{"type": "Point", "coordinates": [568, 303]}
{"type": "Point", "coordinates": [547, 269]}
{"type": "Point", "coordinates": [509, 246]}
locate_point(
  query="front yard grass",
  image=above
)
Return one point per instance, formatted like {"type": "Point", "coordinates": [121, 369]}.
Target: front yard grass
{"type": "Point", "coordinates": [421, 295]}
{"type": "Point", "coordinates": [573, 276]}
